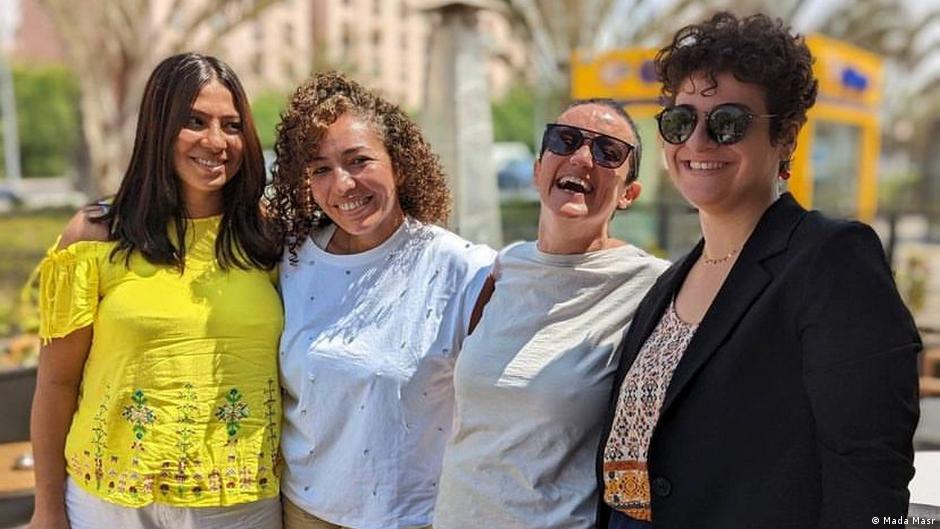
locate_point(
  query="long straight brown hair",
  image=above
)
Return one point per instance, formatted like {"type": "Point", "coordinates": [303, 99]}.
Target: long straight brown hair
{"type": "Point", "coordinates": [150, 198]}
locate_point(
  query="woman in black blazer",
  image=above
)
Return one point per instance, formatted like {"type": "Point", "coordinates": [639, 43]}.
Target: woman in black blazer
{"type": "Point", "coordinates": [769, 377]}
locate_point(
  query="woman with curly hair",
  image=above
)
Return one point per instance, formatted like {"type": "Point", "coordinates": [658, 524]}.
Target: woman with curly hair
{"type": "Point", "coordinates": [769, 378]}
{"type": "Point", "coordinates": [377, 302]}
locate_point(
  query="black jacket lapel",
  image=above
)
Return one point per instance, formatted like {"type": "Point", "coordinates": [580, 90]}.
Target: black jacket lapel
{"type": "Point", "coordinates": [744, 284]}
{"type": "Point", "coordinates": [650, 312]}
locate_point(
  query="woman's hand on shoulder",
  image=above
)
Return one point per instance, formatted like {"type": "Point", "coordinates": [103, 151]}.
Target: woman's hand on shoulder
{"type": "Point", "coordinates": [82, 227]}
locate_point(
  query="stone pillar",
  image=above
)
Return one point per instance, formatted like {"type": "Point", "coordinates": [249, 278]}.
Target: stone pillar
{"type": "Point", "coordinates": [9, 20]}
{"type": "Point", "coordinates": [456, 117]}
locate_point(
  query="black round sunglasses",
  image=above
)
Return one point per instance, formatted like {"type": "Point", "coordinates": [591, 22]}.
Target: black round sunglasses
{"type": "Point", "coordinates": [726, 123]}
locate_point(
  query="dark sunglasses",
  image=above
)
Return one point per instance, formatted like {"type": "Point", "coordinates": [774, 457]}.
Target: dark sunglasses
{"type": "Point", "coordinates": [726, 124]}
{"type": "Point", "coordinates": [564, 140]}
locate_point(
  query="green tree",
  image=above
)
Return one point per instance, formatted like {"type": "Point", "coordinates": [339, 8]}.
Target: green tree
{"type": "Point", "coordinates": [47, 114]}
{"type": "Point", "coordinates": [514, 116]}
{"type": "Point", "coordinates": [266, 110]}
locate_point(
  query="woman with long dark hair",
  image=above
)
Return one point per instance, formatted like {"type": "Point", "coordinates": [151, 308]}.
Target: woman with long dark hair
{"type": "Point", "coordinates": [157, 401]}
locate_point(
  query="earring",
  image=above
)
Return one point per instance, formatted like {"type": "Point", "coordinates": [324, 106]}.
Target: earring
{"type": "Point", "coordinates": [783, 172]}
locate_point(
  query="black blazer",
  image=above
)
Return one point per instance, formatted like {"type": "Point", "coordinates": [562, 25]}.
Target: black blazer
{"type": "Point", "coordinates": [795, 403]}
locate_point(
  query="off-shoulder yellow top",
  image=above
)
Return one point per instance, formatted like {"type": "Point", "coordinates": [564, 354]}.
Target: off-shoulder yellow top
{"type": "Point", "coordinates": [179, 400]}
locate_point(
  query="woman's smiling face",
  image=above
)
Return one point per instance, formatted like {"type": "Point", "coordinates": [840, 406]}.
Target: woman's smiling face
{"type": "Point", "coordinates": [718, 178]}
{"type": "Point", "coordinates": [353, 181]}
{"type": "Point", "coordinates": [209, 147]}
{"type": "Point", "coordinates": [574, 186]}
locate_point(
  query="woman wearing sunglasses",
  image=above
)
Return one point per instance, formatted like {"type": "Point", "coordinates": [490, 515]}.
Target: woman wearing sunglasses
{"type": "Point", "coordinates": [532, 380]}
{"type": "Point", "coordinates": [769, 377]}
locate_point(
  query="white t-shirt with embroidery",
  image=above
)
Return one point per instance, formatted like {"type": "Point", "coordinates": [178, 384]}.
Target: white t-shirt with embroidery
{"type": "Point", "coordinates": [366, 360]}
{"type": "Point", "coordinates": [533, 384]}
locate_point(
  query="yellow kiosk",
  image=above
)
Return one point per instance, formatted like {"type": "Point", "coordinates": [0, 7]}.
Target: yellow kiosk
{"type": "Point", "coordinates": [835, 164]}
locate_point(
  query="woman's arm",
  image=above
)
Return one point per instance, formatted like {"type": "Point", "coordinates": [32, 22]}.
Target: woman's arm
{"type": "Point", "coordinates": [61, 362]}
{"type": "Point", "coordinates": [60, 372]}
{"type": "Point", "coordinates": [489, 286]}
{"type": "Point", "coordinates": [859, 362]}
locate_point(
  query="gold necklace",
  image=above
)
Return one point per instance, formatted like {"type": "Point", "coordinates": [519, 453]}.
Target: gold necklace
{"type": "Point", "coordinates": [719, 260]}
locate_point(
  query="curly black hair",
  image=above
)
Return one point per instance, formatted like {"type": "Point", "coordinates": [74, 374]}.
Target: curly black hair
{"type": "Point", "coordinates": [754, 49]}
{"type": "Point", "coordinates": [314, 106]}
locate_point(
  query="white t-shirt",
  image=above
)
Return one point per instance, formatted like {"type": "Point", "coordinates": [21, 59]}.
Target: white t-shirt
{"type": "Point", "coordinates": [366, 361]}
{"type": "Point", "coordinates": [532, 386]}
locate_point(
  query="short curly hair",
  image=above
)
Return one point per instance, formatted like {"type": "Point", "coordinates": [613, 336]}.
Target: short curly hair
{"type": "Point", "coordinates": [754, 49]}
{"type": "Point", "coordinates": [314, 106]}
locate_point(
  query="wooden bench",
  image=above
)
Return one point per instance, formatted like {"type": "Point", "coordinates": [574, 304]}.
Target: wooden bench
{"type": "Point", "coordinates": [16, 486]}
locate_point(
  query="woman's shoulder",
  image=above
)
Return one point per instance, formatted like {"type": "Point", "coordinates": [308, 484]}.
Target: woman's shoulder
{"type": "Point", "coordinates": [519, 247]}
{"type": "Point", "coordinates": [827, 234]}
{"type": "Point", "coordinates": [524, 250]}
{"type": "Point", "coordinates": [634, 256]}
{"type": "Point", "coordinates": [447, 245]}
{"type": "Point", "coordinates": [84, 227]}
{"type": "Point", "coordinates": [819, 222]}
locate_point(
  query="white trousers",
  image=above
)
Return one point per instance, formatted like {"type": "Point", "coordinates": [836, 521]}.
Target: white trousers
{"type": "Point", "coordinates": [86, 511]}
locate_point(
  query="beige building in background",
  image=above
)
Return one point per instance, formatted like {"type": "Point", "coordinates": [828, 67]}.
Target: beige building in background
{"type": "Point", "coordinates": [35, 38]}
{"type": "Point", "coordinates": [272, 52]}
{"type": "Point", "coordinates": [382, 43]}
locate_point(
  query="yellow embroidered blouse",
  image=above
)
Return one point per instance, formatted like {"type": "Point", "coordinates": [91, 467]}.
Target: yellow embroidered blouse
{"type": "Point", "coordinates": [179, 401]}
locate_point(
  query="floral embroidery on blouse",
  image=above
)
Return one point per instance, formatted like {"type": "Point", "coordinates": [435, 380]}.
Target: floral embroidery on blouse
{"type": "Point", "coordinates": [232, 412]}
{"type": "Point", "coordinates": [139, 414]}
{"type": "Point", "coordinates": [100, 438]}
{"type": "Point", "coordinates": [186, 469]}
{"type": "Point", "coordinates": [271, 409]}
{"type": "Point", "coordinates": [187, 409]}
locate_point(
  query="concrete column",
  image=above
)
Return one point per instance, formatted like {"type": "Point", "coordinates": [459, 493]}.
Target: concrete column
{"type": "Point", "coordinates": [9, 20]}
{"type": "Point", "coordinates": [456, 117]}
